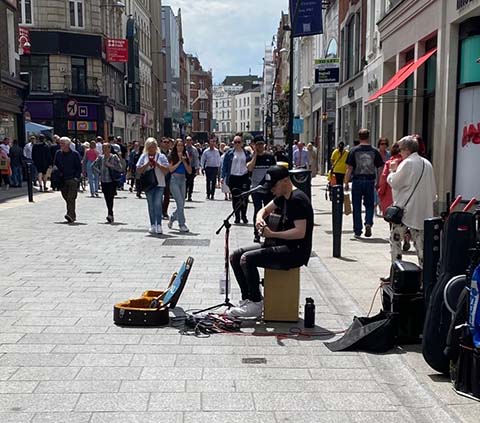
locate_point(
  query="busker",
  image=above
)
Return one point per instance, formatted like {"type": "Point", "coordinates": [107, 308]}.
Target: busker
{"type": "Point", "coordinates": [258, 166]}
{"type": "Point", "coordinates": [69, 165]}
{"type": "Point", "coordinates": [294, 241]}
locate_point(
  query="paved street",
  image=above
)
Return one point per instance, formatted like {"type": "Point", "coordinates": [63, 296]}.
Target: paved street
{"type": "Point", "coordinates": [63, 360]}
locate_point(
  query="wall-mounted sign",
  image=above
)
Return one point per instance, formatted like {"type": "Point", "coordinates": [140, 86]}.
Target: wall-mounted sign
{"type": "Point", "coordinates": [116, 50]}
{"type": "Point", "coordinates": [327, 72]}
{"type": "Point", "coordinates": [308, 17]}
{"type": "Point", "coordinates": [24, 40]}
{"type": "Point", "coordinates": [297, 126]}
{"type": "Point", "coordinates": [82, 125]}
{"type": "Point", "coordinates": [72, 107]}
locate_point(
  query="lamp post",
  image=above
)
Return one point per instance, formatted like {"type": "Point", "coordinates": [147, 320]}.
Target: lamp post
{"type": "Point", "coordinates": [293, 21]}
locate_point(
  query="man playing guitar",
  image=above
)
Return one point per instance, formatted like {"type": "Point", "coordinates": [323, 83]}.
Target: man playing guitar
{"type": "Point", "coordinates": [293, 241]}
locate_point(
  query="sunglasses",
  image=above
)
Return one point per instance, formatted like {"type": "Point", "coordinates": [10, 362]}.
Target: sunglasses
{"type": "Point", "coordinates": [237, 142]}
{"type": "Point", "coordinates": [383, 143]}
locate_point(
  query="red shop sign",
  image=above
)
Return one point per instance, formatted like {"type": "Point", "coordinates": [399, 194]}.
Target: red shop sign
{"type": "Point", "coordinates": [116, 50]}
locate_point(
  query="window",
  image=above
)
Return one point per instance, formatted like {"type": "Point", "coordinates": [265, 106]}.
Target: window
{"type": "Point", "coordinates": [11, 43]}
{"type": "Point", "coordinates": [37, 67]}
{"type": "Point", "coordinates": [202, 105]}
{"type": "Point", "coordinates": [202, 125]}
{"type": "Point", "coordinates": [25, 15]}
{"type": "Point", "coordinates": [77, 13]}
{"type": "Point", "coordinates": [257, 112]}
{"type": "Point", "coordinates": [257, 101]}
{"type": "Point", "coordinates": [350, 38]}
{"type": "Point", "coordinates": [79, 75]}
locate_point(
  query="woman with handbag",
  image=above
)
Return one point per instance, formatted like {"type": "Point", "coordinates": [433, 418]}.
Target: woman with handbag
{"type": "Point", "coordinates": [152, 167]}
{"type": "Point", "coordinates": [339, 163]}
{"type": "Point", "coordinates": [108, 168]}
{"type": "Point", "coordinates": [179, 166]}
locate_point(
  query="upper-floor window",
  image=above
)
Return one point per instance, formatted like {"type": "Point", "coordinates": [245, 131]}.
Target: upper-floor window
{"type": "Point", "coordinates": [25, 16]}
{"type": "Point", "coordinates": [351, 47]}
{"type": "Point", "coordinates": [37, 67]}
{"type": "Point", "coordinates": [257, 101]}
{"type": "Point", "coordinates": [77, 13]}
{"type": "Point", "coordinates": [79, 75]}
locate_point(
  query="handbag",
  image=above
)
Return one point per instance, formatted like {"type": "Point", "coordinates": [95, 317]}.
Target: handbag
{"type": "Point", "coordinates": [115, 175]}
{"type": "Point", "coordinates": [394, 214]}
{"type": "Point", "coordinates": [347, 204]}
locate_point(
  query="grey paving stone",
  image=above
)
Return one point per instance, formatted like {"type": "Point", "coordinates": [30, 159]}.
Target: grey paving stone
{"type": "Point", "coordinates": [153, 386]}
{"type": "Point", "coordinates": [77, 386]}
{"type": "Point", "coordinates": [381, 417]}
{"type": "Point", "coordinates": [138, 417]}
{"type": "Point", "coordinates": [10, 338]}
{"type": "Point", "coordinates": [342, 401]}
{"type": "Point", "coordinates": [161, 340]}
{"type": "Point", "coordinates": [109, 373]}
{"type": "Point", "coordinates": [229, 417]}
{"type": "Point", "coordinates": [47, 321]}
{"type": "Point", "coordinates": [341, 374]}
{"type": "Point", "coordinates": [75, 329]}
{"type": "Point", "coordinates": [6, 372]}
{"type": "Point", "coordinates": [176, 401]}
{"type": "Point", "coordinates": [102, 360]}
{"type": "Point", "coordinates": [157, 349]}
{"type": "Point", "coordinates": [255, 373]}
{"type": "Point", "coordinates": [275, 401]}
{"type": "Point", "coordinates": [37, 402]}
{"type": "Point", "coordinates": [36, 359]}
{"type": "Point", "coordinates": [55, 339]}
{"type": "Point", "coordinates": [220, 386]}
{"type": "Point", "coordinates": [152, 373]}
{"type": "Point", "coordinates": [312, 417]}
{"type": "Point", "coordinates": [113, 339]}
{"type": "Point", "coordinates": [45, 373]}
{"type": "Point", "coordinates": [112, 402]}
{"type": "Point", "coordinates": [16, 417]}
{"type": "Point", "coordinates": [227, 401]}
{"type": "Point", "coordinates": [62, 418]}
{"type": "Point", "coordinates": [307, 386]}
{"type": "Point", "coordinates": [26, 348]}
{"type": "Point", "coordinates": [341, 362]}
{"type": "Point", "coordinates": [88, 349]}
{"type": "Point", "coordinates": [153, 360]}
{"type": "Point", "coordinates": [16, 387]}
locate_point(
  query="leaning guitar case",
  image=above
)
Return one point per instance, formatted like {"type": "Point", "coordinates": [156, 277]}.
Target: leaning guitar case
{"type": "Point", "coordinates": [458, 237]}
{"type": "Point", "coordinates": [152, 308]}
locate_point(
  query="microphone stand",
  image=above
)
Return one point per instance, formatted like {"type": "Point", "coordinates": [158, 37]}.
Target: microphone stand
{"type": "Point", "coordinates": [227, 225]}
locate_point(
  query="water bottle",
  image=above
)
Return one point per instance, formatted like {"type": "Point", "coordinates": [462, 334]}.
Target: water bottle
{"type": "Point", "coordinates": [223, 284]}
{"type": "Point", "coordinates": [474, 308]}
{"type": "Point", "coordinates": [309, 315]}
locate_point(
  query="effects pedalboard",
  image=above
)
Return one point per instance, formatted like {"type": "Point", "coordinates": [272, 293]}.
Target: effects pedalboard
{"type": "Point", "coordinates": [212, 323]}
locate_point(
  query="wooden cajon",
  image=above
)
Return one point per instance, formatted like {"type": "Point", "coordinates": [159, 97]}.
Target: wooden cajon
{"type": "Point", "coordinates": [281, 295]}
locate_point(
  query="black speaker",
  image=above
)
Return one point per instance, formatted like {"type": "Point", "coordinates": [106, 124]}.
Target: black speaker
{"type": "Point", "coordinates": [405, 277]}
{"type": "Point", "coordinates": [431, 254]}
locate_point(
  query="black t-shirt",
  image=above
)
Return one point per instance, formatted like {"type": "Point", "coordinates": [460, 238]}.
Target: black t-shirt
{"type": "Point", "coordinates": [297, 207]}
{"type": "Point", "coordinates": [365, 160]}
{"type": "Point", "coordinates": [262, 163]}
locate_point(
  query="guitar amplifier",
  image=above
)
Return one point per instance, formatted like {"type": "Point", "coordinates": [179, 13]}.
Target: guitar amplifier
{"type": "Point", "coordinates": [405, 277]}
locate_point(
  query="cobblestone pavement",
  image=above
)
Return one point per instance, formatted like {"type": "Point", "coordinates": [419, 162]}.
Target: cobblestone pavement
{"type": "Point", "coordinates": [63, 360]}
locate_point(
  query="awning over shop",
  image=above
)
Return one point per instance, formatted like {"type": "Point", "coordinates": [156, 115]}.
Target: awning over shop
{"type": "Point", "coordinates": [33, 128]}
{"type": "Point", "coordinates": [400, 77]}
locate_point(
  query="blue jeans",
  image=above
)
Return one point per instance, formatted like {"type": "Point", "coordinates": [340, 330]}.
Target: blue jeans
{"type": "Point", "coordinates": [154, 200]}
{"type": "Point", "coordinates": [17, 176]}
{"type": "Point", "coordinates": [362, 188]}
{"type": "Point", "coordinates": [178, 188]}
{"type": "Point", "coordinates": [92, 178]}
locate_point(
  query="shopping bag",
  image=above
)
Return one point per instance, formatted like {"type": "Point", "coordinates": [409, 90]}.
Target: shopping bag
{"type": "Point", "coordinates": [347, 204]}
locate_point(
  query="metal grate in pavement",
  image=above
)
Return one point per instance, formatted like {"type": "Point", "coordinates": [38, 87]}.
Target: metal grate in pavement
{"type": "Point", "coordinates": [254, 360]}
{"type": "Point", "coordinates": [175, 242]}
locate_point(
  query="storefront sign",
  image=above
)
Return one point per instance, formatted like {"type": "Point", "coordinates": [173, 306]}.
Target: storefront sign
{"type": "Point", "coordinates": [327, 73]}
{"type": "Point", "coordinates": [463, 3]}
{"type": "Point", "coordinates": [468, 143]}
{"type": "Point", "coordinates": [39, 110]}
{"type": "Point", "coordinates": [24, 40]}
{"type": "Point", "coordinates": [82, 126]}
{"type": "Point", "coordinates": [116, 50]}
{"type": "Point", "coordinates": [308, 17]}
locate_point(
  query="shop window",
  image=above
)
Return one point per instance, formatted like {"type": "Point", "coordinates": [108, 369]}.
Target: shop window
{"type": "Point", "coordinates": [79, 75]}
{"type": "Point", "coordinates": [77, 13]}
{"type": "Point", "coordinates": [25, 17]}
{"type": "Point", "coordinates": [37, 67]}
{"type": "Point", "coordinates": [469, 55]}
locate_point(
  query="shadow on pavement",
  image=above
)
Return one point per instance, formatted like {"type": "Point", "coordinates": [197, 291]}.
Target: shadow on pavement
{"type": "Point", "coordinates": [71, 224]}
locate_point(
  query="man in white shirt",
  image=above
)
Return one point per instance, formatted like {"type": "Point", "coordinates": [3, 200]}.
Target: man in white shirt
{"type": "Point", "coordinates": [414, 190]}
{"type": "Point", "coordinates": [210, 162]}
{"type": "Point", "coordinates": [5, 145]}
{"type": "Point", "coordinates": [300, 157]}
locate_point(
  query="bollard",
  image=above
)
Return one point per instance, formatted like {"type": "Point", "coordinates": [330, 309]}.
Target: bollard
{"type": "Point", "coordinates": [29, 183]}
{"type": "Point", "coordinates": [337, 219]}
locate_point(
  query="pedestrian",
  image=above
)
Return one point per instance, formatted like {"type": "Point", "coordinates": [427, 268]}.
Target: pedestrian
{"type": "Point", "coordinates": [5, 169]}
{"type": "Point", "coordinates": [364, 167]}
{"type": "Point", "coordinates": [280, 154]}
{"type": "Point", "coordinates": [150, 159]}
{"type": "Point", "coordinates": [165, 150]}
{"type": "Point", "coordinates": [27, 154]}
{"type": "Point", "coordinates": [223, 186]}
{"type": "Point", "coordinates": [179, 166]}
{"type": "Point", "coordinates": [69, 167]}
{"type": "Point", "coordinates": [42, 159]}
{"type": "Point", "coordinates": [235, 175]}
{"type": "Point", "coordinates": [258, 166]}
{"type": "Point", "coordinates": [210, 163]}
{"type": "Point", "coordinates": [382, 147]}
{"type": "Point", "coordinates": [133, 158]}
{"type": "Point", "coordinates": [193, 157]}
{"type": "Point", "coordinates": [5, 146]}
{"type": "Point", "coordinates": [16, 157]}
{"type": "Point", "coordinates": [300, 157]}
{"type": "Point", "coordinates": [384, 190]}
{"type": "Point", "coordinates": [414, 190]}
{"type": "Point", "coordinates": [339, 163]}
{"type": "Point", "coordinates": [99, 144]}
{"type": "Point", "coordinates": [312, 159]}
{"type": "Point", "coordinates": [91, 156]}
{"type": "Point", "coordinates": [107, 168]}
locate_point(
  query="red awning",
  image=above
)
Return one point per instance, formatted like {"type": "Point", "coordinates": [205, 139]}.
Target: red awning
{"type": "Point", "coordinates": [402, 75]}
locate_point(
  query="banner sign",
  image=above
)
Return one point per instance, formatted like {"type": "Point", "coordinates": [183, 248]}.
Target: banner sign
{"type": "Point", "coordinates": [327, 72]}
{"type": "Point", "coordinates": [468, 143]}
{"type": "Point", "coordinates": [188, 117]}
{"type": "Point", "coordinates": [308, 17]}
{"type": "Point", "coordinates": [116, 50]}
{"type": "Point", "coordinates": [24, 40]}
{"type": "Point", "coordinates": [297, 126]}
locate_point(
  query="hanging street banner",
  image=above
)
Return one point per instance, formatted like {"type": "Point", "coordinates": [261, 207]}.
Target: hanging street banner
{"type": "Point", "coordinates": [116, 50]}
{"type": "Point", "coordinates": [308, 17]}
{"type": "Point", "coordinates": [327, 72]}
{"type": "Point", "coordinates": [298, 126]}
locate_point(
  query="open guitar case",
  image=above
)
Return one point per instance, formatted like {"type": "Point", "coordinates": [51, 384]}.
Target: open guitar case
{"type": "Point", "coordinates": [152, 308]}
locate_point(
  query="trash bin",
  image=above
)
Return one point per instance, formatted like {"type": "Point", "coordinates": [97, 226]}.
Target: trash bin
{"type": "Point", "coordinates": [302, 179]}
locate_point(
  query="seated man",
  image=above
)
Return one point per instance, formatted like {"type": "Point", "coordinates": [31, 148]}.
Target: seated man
{"type": "Point", "coordinates": [292, 243]}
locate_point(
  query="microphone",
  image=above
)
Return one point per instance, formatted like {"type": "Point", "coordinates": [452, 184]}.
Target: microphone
{"type": "Point", "coordinates": [247, 193]}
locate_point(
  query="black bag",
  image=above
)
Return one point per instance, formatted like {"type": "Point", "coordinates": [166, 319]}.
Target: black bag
{"type": "Point", "coordinates": [394, 214]}
{"type": "Point", "coordinates": [56, 178]}
{"type": "Point", "coordinates": [374, 334]}
{"type": "Point", "coordinates": [148, 180]}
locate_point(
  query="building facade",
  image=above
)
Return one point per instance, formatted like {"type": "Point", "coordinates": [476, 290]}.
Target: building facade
{"type": "Point", "coordinates": [201, 100]}
{"type": "Point", "coordinates": [157, 55]}
{"type": "Point", "coordinates": [247, 113]}
{"type": "Point", "coordinates": [222, 109]}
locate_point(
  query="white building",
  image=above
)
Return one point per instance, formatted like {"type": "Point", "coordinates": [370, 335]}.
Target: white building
{"type": "Point", "coordinates": [247, 111]}
{"type": "Point", "coordinates": [222, 110]}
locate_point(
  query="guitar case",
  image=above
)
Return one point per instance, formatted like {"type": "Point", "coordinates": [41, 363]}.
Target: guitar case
{"type": "Point", "coordinates": [152, 308]}
{"type": "Point", "coordinates": [458, 237]}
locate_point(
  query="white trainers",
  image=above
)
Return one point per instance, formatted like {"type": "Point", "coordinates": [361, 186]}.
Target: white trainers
{"type": "Point", "coordinates": [153, 229]}
{"type": "Point", "coordinates": [247, 310]}
{"type": "Point", "coordinates": [159, 230]}
{"type": "Point", "coordinates": [184, 228]}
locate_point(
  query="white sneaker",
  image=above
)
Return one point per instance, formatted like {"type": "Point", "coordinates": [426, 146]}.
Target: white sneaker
{"type": "Point", "coordinates": [247, 310]}
{"type": "Point", "coordinates": [153, 229]}
{"type": "Point", "coordinates": [170, 223]}
{"type": "Point", "coordinates": [184, 228]}
{"type": "Point", "coordinates": [159, 230]}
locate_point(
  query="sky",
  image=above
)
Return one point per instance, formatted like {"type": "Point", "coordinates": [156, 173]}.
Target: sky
{"type": "Point", "coordinates": [229, 36]}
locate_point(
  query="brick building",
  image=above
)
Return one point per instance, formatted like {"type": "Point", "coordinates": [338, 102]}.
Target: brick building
{"type": "Point", "coordinates": [201, 97]}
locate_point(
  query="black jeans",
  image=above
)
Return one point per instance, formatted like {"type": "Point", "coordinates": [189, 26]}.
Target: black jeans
{"type": "Point", "coordinates": [339, 177]}
{"type": "Point", "coordinates": [109, 190]}
{"type": "Point", "coordinates": [211, 173]}
{"type": "Point", "coordinates": [237, 185]}
{"type": "Point", "coordinates": [259, 201]}
{"type": "Point", "coordinates": [190, 178]}
{"type": "Point", "coordinates": [245, 262]}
